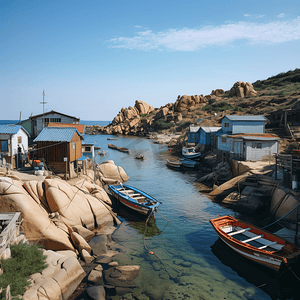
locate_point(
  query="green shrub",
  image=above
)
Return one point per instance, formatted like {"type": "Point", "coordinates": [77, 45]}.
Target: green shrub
{"type": "Point", "coordinates": [25, 260]}
{"type": "Point", "coordinates": [143, 115]}
{"type": "Point", "coordinates": [163, 124]}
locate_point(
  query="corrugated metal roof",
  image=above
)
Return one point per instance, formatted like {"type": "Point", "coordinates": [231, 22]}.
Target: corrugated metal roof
{"type": "Point", "coordinates": [194, 128]}
{"type": "Point", "coordinates": [11, 129]}
{"type": "Point", "coordinates": [211, 129]}
{"type": "Point", "coordinates": [80, 127]}
{"type": "Point", "coordinates": [246, 118]}
{"type": "Point", "coordinates": [56, 134]}
{"type": "Point", "coordinates": [256, 137]}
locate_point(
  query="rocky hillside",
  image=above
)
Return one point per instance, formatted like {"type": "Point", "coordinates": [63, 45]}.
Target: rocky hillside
{"type": "Point", "coordinates": [262, 97]}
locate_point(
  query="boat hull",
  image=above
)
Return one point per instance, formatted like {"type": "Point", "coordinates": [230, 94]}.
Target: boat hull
{"type": "Point", "coordinates": [269, 250]}
{"type": "Point", "coordinates": [190, 153]}
{"type": "Point", "coordinates": [174, 164]}
{"type": "Point", "coordinates": [125, 199]}
{"type": "Point", "coordinates": [188, 163]}
{"type": "Point", "coordinates": [192, 156]}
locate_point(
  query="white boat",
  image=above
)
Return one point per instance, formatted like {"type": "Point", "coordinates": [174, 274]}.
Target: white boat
{"type": "Point", "coordinates": [189, 152]}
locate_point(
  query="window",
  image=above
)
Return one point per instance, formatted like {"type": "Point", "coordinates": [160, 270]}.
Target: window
{"type": "Point", "coordinates": [88, 149]}
{"type": "Point", "coordinates": [256, 145]}
{"type": "Point", "coordinates": [223, 139]}
{"type": "Point", "coordinates": [226, 125]}
{"type": "Point", "coordinates": [4, 145]}
{"type": "Point", "coordinates": [19, 140]}
{"type": "Point", "coordinates": [55, 120]}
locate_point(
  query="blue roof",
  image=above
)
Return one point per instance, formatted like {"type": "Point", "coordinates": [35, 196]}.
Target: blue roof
{"type": "Point", "coordinates": [246, 118]}
{"type": "Point", "coordinates": [11, 129]}
{"type": "Point", "coordinates": [56, 134]}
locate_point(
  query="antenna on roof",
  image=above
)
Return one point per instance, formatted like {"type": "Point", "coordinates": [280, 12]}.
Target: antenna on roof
{"type": "Point", "coordinates": [43, 107]}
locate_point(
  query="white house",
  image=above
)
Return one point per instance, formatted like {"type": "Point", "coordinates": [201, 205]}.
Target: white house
{"type": "Point", "coordinates": [253, 146]}
{"type": "Point", "coordinates": [38, 122]}
{"type": "Point", "coordinates": [11, 137]}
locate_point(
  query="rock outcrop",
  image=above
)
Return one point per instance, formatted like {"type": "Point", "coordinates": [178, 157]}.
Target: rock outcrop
{"type": "Point", "coordinates": [187, 103]}
{"type": "Point", "coordinates": [58, 281]}
{"type": "Point", "coordinates": [242, 89]}
{"type": "Point", "coordinates": [52, 209]}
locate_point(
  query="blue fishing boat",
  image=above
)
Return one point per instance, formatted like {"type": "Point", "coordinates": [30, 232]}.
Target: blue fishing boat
{"type": "Point", "coordinates": [189, 152]}
{"type": "Point", "coordinates": [134, 199]}
{"type": "Point", "coordinates": [188, 163]}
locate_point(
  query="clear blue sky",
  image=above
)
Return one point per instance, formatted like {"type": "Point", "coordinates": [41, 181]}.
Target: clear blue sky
{"type": "Point", "coordinates": [94, 57]}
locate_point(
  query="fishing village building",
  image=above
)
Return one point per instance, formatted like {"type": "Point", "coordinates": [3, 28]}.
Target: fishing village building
{"type": "Point", "coordinates": [38, 122]}
{"type": "Point", "coordinates": [60, 149]}
{"type": "Point", "coordinates": [13, 140]}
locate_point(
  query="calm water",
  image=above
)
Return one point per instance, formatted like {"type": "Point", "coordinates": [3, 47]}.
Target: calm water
{"type": "Point", "coordinates": [190, 261]}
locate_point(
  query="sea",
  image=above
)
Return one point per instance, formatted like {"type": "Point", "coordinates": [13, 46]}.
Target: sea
{"type": "Point", "coordinates": [189, 261]}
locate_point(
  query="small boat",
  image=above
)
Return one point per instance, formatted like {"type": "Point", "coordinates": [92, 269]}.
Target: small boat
{"type": "Point", "coordinates": [254, 243]}
{"type": "Point", "coordinates": [113, 138]}
{"type": "Point", "coordinates": [134, 199]}
{"type": "Point", "coordinates": [112, 146]}
{"type": "Point", "coordinates": [101, 153]}
{"type": "Point", "coordinates": [139, 156]}
{"type": "Point", "coordinates": [122, 149]}
{"type": "Point", "coordinates": [189, 152]}
{"type": "Point", "coordinates": [173, 164]}
{"type": "Point", "coordinates": [188, 163]}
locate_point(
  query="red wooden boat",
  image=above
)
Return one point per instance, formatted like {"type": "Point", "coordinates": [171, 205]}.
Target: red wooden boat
{"type": "Point", "coordinates": [255, 243]}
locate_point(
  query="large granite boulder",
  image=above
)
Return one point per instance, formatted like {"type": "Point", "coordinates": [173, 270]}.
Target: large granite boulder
{"type": "Point", "coordinates": [75, 206]}
{"type": "Point", "coordinates": [58, 281]}
{"type": "Point", "coordinates": [109, 170]}
{"type": "Point", "coordinates": [36, 224]}
{"type": "Point", "coordinates": [242, 89]}
{"type": "Point", "coordinates": [187, 103]}
{"type": "Point", "coordinates": [143, 107]}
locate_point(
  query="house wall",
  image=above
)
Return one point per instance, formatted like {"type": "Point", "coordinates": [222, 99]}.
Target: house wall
{"type": "Point", "coordinates": [193, 137]}
{"type": "Point", "coordinates": [243, 126]}
{"type": "Point", "coordinates": [13, 142]}
{"type": "Point", "coordinates": [39, 122]}
{"type": "Point", "coordinates": [75, 148]}
{"type": "Point", "coordinates": [6, 137]}
{"type": "Point", "coordinates": [223, 146]}
{"type": "Point", "coordinates": [236, 148]}
{"type": "Point", "coordinates": [27, 125]}
{"type": "Point", "coordinates": [24, 141]}
{"type": "Point", "coordinates": [268, 147]}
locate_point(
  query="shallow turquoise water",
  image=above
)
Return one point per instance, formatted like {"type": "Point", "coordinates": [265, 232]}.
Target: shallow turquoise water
{"type": "Point", "coordinates": [189, 262]}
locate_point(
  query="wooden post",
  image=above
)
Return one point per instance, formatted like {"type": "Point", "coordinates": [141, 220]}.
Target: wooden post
{"type": "Point", "coordinates": [296, 233]}
{"type": "Point", "coordinates": [276, 166]}
{"type": "Point", "coordinates": [291, 183]}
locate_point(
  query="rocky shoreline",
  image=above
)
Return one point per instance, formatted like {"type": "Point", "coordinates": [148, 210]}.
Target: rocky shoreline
{"type": "Point", "coordinates": [73, 220]}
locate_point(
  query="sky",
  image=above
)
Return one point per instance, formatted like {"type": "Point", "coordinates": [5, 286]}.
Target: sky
{"type": "Point", "coordinates": [94, 57]}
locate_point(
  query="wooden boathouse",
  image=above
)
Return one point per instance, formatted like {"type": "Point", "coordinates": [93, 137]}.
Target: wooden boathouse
{"type": "Point", "coordinates": [60, 149]}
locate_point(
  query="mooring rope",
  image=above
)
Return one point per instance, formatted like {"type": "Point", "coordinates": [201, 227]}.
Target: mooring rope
{"type": "Point", "coordinates": [147, 248]}
{"type": "Point", "coordinates": [281, 217]}
{"type": "Point", "coordinates": [163, 216]}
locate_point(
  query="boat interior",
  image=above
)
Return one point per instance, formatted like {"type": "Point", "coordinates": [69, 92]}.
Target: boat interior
{"type": "Point", "coordinates": [244, 235]}
{"type": "Point", "coordinates": [136, 196]}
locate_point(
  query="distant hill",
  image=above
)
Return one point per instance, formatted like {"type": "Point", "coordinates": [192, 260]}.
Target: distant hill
{"type": "Point", "coordinates": [262, 98]}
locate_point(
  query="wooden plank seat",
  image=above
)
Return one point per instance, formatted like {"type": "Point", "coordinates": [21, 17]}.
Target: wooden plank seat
{"type": "Point", "coordinates": [267, 245]}
{"type": "Point", "coordinates": [239, 231]}
{"type": "Point", "coordinates": [253, 238]}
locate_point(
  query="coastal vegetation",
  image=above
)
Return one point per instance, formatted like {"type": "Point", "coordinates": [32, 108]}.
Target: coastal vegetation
{"type": "Point", "coordinates": [25, 260]}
